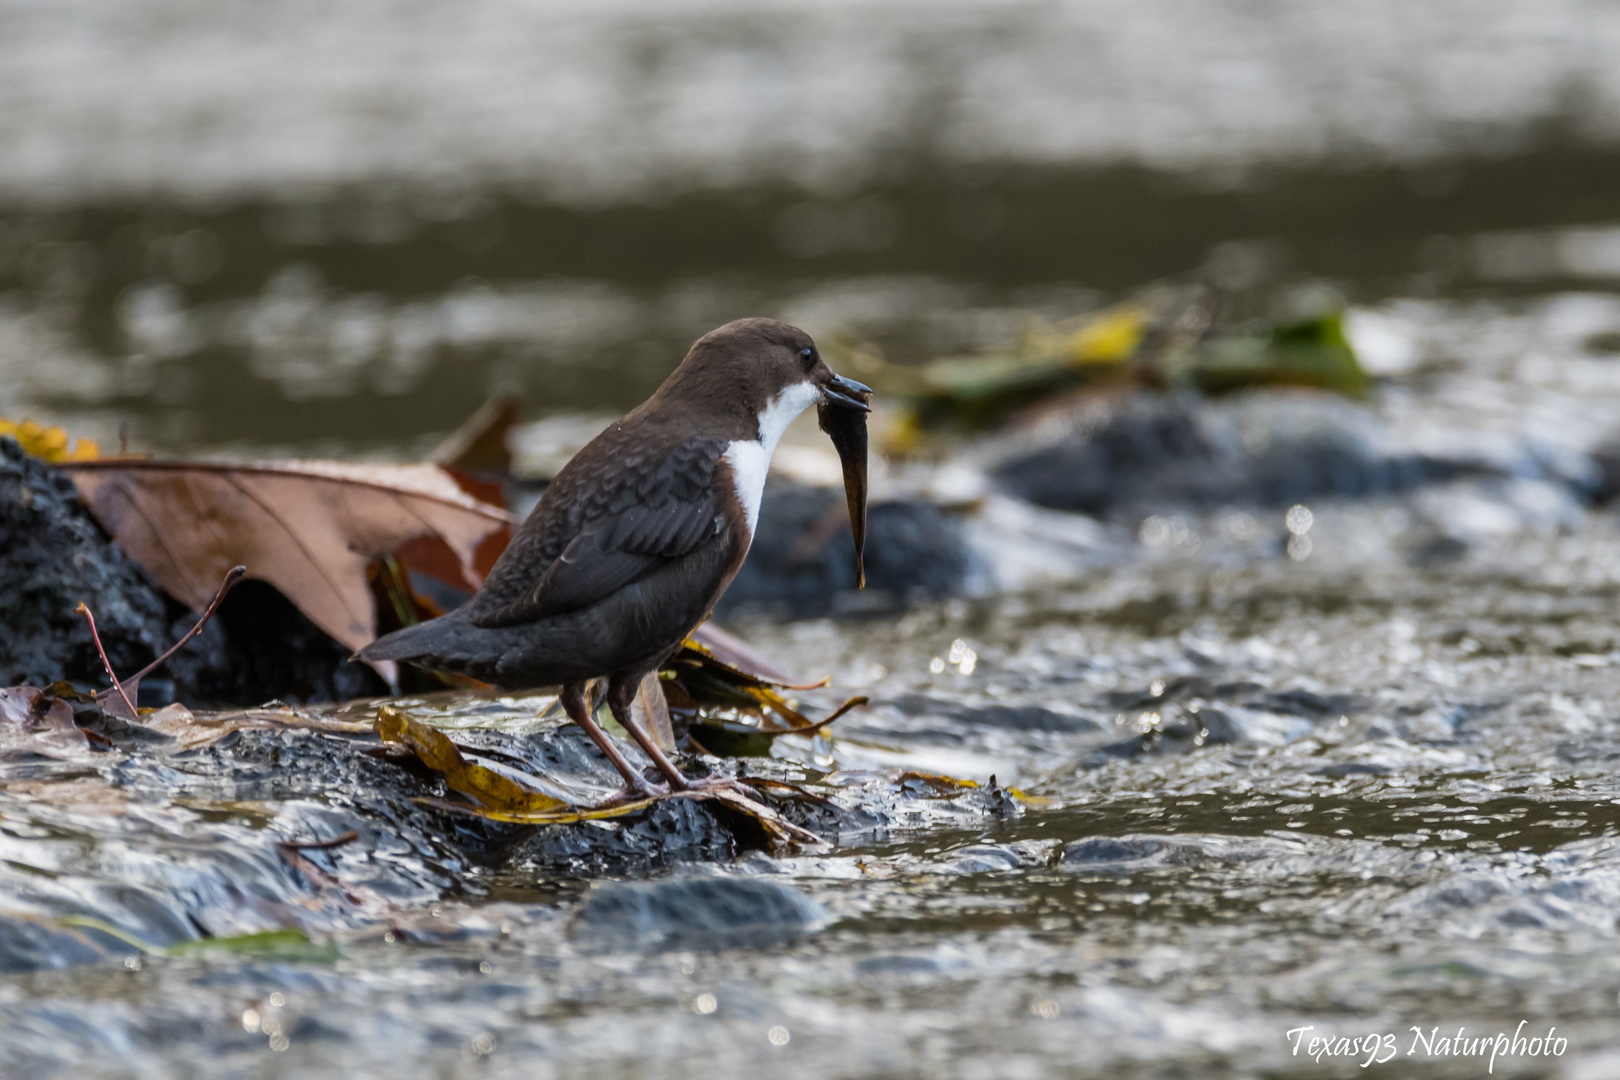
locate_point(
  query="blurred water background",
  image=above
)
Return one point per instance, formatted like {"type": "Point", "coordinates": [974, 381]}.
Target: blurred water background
{"type": "Point", "coordinates": [341, 227]}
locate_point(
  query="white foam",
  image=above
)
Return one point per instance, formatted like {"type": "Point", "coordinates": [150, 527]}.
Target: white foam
{"type": "Point", "coordinates": [750, 460]}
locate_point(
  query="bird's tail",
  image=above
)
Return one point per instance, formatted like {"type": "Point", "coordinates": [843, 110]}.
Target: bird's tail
{"type": "Point", "coordinates": [431, 644]}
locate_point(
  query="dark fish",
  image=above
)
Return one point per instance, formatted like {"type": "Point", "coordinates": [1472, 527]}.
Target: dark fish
{"type": "Point", "coordinates": [847, 429]}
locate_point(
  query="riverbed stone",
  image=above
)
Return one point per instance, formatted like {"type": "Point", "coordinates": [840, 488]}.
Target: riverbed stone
{"type": "Point", "coordinates": [705, 913]}
{"type": "Point", "coordinates": [1160, 453]}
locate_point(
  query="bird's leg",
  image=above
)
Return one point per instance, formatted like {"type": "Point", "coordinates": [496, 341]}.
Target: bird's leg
{"type": "Point", "coordinates": [578, 709]}
{"type": "Point", "coordinates": [620, 693]}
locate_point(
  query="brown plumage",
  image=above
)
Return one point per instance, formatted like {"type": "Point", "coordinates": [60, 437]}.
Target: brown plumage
{"type": "Point", "coordinates": [639, 535]}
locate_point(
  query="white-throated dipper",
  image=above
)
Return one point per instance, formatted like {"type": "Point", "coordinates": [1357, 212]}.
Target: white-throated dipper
{"type": "Point", "coordinates": [638, 536]}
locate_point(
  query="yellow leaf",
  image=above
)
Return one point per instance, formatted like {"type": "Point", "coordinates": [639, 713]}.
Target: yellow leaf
{"type": "Point", "coordinates": [49, 443]}
{"type": "Point", "coordinates": [1110, 338]}
{"type": "Point", "coordinates": [567, 816]}
{"type": "Point", "coordinates": [435, 750]}
{"type": "Point", "coordinates": [775, 826]}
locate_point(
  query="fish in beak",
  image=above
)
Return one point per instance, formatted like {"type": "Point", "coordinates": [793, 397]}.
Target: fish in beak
{"type": "Point", "coordinates": [842, 413]}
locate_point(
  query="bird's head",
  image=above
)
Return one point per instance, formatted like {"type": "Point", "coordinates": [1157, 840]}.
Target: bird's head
{"type": "Point", "coordinates": [760, 374]}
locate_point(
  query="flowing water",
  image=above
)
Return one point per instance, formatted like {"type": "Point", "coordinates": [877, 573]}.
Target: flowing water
{"type": "Point", "coordinates": [1363, 788]}
{"type": "Point", "coordinates": [1342, 765]}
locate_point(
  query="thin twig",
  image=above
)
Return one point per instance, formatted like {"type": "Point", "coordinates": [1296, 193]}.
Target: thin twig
{"type": "Point", "coordinates": [816, 728]}
{"type": "Point", "coordinates": [232, 576]}
{"type": "Point", "coordinates": [111, 674]}
{"type": "Point", "coordinates": [319, 845]}
{"type": "Point", "coordinates": [760, 781]}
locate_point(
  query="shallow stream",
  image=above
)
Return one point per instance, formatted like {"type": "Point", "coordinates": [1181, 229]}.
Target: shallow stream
{"type": "Point", "coordinates": [1261, 793]}
{"type": "Point", "coordinates": [1340, 764]}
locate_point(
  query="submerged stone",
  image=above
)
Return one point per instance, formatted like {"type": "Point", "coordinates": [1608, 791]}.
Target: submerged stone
{"type": "Point", "coordinates": [697, 913]}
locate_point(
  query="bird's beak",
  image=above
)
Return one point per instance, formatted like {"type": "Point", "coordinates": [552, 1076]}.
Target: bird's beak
{"type": "Point", "coordinates": [842, 414]}
{"type": "Point", "coordinates": [847, 393]}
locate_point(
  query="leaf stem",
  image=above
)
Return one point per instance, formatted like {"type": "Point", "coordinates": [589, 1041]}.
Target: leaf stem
{"type": "Point", "coordinates": [232, 576]}
{"type": "Point", "coordinates": [111, 674]}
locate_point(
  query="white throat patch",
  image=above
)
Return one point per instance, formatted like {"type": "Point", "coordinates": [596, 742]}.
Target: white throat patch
{"type": "Point", "coordinates": [750, 460]}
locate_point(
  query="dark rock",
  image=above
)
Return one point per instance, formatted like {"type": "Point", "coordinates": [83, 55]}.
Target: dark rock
{"type": "Point", "coordinates": [1606, 458]}
{"type": "Point", "coordinates": [261, 802]}
{"type": "Point", "coordinates": [1111, 853]}
{"type": "Point", "coordinates": [1218, 728]}
{"type": "Point", "coordinates": [53, 555]}
{"type": "Point", "coordinates": [1436, 549]}
{"type": "Point", "coordinates": [1309, 704]}
{"type": "Point", "coordinates": [673, 832]}
{"type": "Point", "coordinates": [26, 945]}
{"type": "Point", "coordinates": [697, 913]}
{"type": "Point", "coordinates": [802, 562]}
{"type": "Point", "coordinates": [982, 859]}
{"type": "Point", "coordinates": [260, 647]}
{"type": "Point", "coordinates": [1156, 453]}
{"type": "Point", "coordinates": [1008, 717]}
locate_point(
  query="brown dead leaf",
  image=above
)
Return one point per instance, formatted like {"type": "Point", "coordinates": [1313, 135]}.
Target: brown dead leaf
{"type": "Point", "coordinates": [478, 455]}
{"type": "Point", "coordinates": [310, 528]}
{"type": "Point", "coordinates": [650, 712]}
{"type": "Point", "coordinates": [32, 719]}
{"type": "Point", "coordinates": [33, 709]}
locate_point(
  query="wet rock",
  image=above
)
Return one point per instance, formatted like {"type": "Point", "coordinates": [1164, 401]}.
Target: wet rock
{"type": "Point", "coordinates": [697, 913]}
{"type": "Point", "coordinates": [1606, 461]}
{"type": "Point", "coordinates": [1006, 717]}
{"type": "Point", "coordinates": [26, 945]}
{"type": "Point", "coordinates": [801, 563]}
{"type": "Point", "coordinates": [53, 555]}
{"type": "Point", "coordinates": [668, 834]}
{"type": "Point", "coordinates": [289, 820]}
{"type": "Point", "coordinates": [993, 858]}
{"type": "Point", "coordinates": [1108, 854]}
{"type": "Point", "coordinates": [1153, 453]}
{"type": "Point", "coordinates": [980, 859]}
{"type": "Point", "coordinates": [260, 647]}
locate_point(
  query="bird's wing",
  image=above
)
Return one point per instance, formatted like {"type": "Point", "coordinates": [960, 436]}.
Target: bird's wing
{"type": "Point", "coordinates": [611, 522]}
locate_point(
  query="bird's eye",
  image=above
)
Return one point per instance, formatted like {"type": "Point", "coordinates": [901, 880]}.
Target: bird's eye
{"type": "Point", "coordinates": [806, 354]}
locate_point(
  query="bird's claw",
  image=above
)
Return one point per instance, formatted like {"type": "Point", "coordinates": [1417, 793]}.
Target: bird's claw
{"type": "Point", "coordinates": [636, 793]}
{"type": "Point", "coordinates": [724, 783]}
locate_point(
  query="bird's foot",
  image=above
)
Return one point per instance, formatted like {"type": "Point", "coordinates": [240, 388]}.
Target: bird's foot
{"type": "Point", "coordinates": [637, 790]}
{"type": "Point", "coordinates": [724, 783]}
